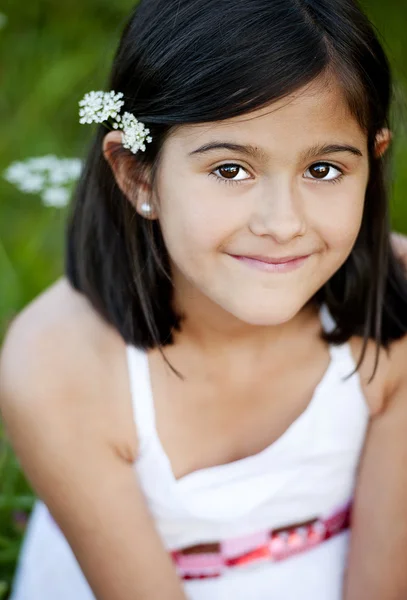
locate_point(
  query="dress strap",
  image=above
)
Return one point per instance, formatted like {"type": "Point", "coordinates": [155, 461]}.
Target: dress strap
{"type": "Point", "coordinates": [141, 396]}
{"type": "Point", "coordinates": [340, 352]}
{"type": "Point", "coordinates": [328, 322]}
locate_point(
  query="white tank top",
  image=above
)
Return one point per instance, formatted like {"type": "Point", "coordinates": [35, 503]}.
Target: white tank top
{"type": "Point", "coordinates": [308, 473]}
{"type": "Point", "coordinates": [252, 512]}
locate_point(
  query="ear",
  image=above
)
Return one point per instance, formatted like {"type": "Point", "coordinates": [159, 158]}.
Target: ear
{"type": "Point", "coordinates": [122, 162]}
{"type": "Point", "coordinates": [383, 139]}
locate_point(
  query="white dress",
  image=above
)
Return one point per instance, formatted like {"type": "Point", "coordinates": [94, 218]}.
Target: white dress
{"type": "Point", "coordinates": [239, 508]}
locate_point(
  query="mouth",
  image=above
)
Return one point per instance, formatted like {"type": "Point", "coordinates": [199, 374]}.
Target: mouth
{"type": "Point", "coordinates": [272, 265]}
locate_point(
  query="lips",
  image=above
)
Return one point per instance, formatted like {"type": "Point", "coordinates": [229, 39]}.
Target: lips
{"type": "Point", "coordinates": [271, 260]}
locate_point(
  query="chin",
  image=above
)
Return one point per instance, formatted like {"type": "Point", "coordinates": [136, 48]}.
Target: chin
{"type": "Point", "coordinates": [267, 316]}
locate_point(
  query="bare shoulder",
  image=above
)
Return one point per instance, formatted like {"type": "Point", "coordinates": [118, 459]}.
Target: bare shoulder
{"type": "Point", "coordinates": [391, 368]}
{"type": "Point", "coordinates": [60, 311]}
{"type": "Point", "coordinates": [61, 359]}
{"type": "Point", "coordinates": [397, 371]}
{"type": "Point", "coordinates": [63, 399]}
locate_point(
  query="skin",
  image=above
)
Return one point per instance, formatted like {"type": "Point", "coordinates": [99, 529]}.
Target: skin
{"type": "Point", "coordinates": [274, 212]}
{"type": "Point", "coordinates": [243, 329]}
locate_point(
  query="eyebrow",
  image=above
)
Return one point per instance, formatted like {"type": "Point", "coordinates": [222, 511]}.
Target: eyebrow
{"type": "Point", "coordinates": [260, 154]}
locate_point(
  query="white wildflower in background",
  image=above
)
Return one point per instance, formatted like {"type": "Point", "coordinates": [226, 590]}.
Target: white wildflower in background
{"type": "Point", "coordinates": [55, 196]}
{"type": "Point", "coordinates": [50, 176]}
{"type": "Point", "coordinates": [97, 107]}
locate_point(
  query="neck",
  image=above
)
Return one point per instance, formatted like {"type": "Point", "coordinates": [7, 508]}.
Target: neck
{"type": "Point", "coordinates": [214, 331]}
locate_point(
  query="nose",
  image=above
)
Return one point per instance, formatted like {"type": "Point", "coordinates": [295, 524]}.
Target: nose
{"type": "Point", "coordinates": [278, 212]}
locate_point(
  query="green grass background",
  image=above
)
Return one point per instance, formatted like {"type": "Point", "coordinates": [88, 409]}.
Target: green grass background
{"type": "Point", "coordinates": [52, 53]}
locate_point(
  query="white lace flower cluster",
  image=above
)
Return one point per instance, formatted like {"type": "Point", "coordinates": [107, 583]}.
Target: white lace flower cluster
{"type": "Point", "coordinates": [97, 107]}
{"type": "Point", "coordinates": [49, 176]}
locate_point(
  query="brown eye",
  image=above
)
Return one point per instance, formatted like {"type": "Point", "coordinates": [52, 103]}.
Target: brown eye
{"type": "Point", "coordinates": [320, 171]}
{"type": "Point", "coordinates": [229, 171]}
{"type": "Point", "coordinates": [325, 172]}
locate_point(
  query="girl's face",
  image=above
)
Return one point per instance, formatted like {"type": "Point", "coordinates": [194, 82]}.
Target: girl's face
{"type": "Point", "coordinates": [293, 185]}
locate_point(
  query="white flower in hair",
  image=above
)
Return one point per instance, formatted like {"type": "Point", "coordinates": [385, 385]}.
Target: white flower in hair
{"type": "Point", "coordinates": [134, 133]}
{"type": "Point", "coordinates": [100, 106]}
{"type": "Point", "coordinates": [97, 107]}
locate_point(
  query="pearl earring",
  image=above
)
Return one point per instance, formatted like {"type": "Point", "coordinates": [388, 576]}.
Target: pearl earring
{"type": "Point", "coordinates": [146, 209]}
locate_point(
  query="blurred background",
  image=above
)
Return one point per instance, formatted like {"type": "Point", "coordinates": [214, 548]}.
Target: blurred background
{"type": "Point", "coordinates": [52, 53]}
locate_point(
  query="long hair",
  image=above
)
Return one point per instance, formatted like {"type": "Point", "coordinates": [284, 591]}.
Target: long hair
{"type": "Point", "coordinates": [196, 61]}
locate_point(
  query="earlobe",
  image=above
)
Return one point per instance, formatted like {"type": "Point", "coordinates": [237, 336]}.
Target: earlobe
{"type": "Point", "coordinates": [383, 139]}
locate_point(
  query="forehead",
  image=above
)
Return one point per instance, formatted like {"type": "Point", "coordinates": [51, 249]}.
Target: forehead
{"type": "Point", "coordinates": [316, 112]}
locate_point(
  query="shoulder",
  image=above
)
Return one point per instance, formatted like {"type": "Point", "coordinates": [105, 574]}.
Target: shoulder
{"type": "Point", "coordinates": [396, 359]}
{"type": "Point", "coordinates": [63, 363]}
{"type": "Point", "coordinates": [390, 373]}
{"type": "Point", "coordinates": [374, 390]}
{"type": "Point", "coordinates": [397, 371]}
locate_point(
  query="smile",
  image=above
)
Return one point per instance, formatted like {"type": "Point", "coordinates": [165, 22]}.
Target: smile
{"type": "Point", "coordinates": [270, 267]}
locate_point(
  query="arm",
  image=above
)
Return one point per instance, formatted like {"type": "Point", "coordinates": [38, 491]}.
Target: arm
{"type": "Point", "coordinates": [68, 453]}
{"type": "Point", "coordinates": [378, 548]}
{"type": "Point", "coordinates": [377, 562]}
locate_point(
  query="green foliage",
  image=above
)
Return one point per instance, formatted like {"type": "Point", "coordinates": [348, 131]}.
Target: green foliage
{"type": "Point", "coordinates": [52, 53]}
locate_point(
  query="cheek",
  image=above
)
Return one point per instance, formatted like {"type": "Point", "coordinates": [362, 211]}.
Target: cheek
{"type": "Point", "coordinates": [195, 224]}
{"type": "Point", "coordinates": [190, 230]}
{"type": "Point", "coordinates": [340, 225]}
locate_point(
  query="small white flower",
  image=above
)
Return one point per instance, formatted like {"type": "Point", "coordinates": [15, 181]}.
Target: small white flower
{"type": "Point", "coordinates": [47, 175]}
{"type": "Point", "coordinates": [43, 163]}
{"type": "Point", "coordinates": [134, 133]}
{"type": "Point", "coordinates": [55, 196]}
{"type": "Point", "coordinates": [32, 184]}
{"type": "Point", "coordinates": [97, 107]}
{"type": "Point", "coordinates": [16, 172]}
{"type": "Point", "coordinates": [73, 168]}
{"type": "Point", "coordinates": [58, 177]}
{"type": "Point", "coordinates": [100, 106]}
{"type": "Point", "coordinates": [65, 172]}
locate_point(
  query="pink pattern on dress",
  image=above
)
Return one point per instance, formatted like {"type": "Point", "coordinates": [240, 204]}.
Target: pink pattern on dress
{"type": "Point", "coordinates": [212, 560]}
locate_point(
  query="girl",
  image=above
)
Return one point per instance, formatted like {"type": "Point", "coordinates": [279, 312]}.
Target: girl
{"type": "Point", "coordinates": [217, 389]}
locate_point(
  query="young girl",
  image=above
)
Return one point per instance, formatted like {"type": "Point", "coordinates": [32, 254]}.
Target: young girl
{"type": "Point", "coordinates": [217, 389]}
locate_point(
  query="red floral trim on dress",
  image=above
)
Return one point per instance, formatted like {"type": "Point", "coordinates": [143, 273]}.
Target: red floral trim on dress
{"type": "Point", "coordinates": [212, 560]}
